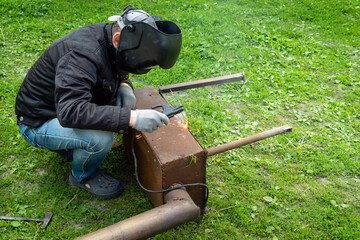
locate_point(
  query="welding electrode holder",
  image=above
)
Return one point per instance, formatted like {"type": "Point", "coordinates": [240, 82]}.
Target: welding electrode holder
{"type": "Point", "coordinates": [169, 111]}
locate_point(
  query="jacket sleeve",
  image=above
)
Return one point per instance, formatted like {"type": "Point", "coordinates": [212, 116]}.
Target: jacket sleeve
{"type": "Point", "coordinates": [75, 77]}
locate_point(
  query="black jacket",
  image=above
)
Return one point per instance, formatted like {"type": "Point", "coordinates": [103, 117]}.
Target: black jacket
{"type": "Point", "coordinates": [75, 80]}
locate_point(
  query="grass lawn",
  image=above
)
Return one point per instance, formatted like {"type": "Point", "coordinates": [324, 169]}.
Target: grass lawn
{"type": "Point", "coordinates": [301, 59]}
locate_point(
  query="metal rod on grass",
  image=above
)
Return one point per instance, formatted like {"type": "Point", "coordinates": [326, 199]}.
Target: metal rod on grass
{"type": "Point", "coordinates": [202, 83]}
{"type": "Point", "coordinates": [247, 140]}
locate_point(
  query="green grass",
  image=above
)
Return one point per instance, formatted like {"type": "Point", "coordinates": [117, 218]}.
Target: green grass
{"type": "Point", "coordinates": [301, 60]}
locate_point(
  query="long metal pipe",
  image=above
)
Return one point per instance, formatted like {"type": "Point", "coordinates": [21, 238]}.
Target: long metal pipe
{"type": "Point", "coordinates": [179, 208]}
{"type": "Point", "coordinates": [247, 140]}
{"type": "Point", "coordinates": [202, 83]}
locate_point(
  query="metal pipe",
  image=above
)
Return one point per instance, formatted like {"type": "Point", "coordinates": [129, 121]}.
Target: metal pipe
{"type": "Point", "coordinates": [247, 140]}
{"type": "Point", "coordinates": [202, 83]}
{"type": "Point", "coordinates": [178, 209]}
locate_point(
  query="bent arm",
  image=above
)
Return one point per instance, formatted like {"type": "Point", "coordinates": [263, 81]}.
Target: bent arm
{"type": "Point", "coordinates": [76, 76]}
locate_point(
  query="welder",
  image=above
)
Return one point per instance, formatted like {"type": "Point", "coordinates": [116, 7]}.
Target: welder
{"type": "Point", "coordinates": [78, 93]}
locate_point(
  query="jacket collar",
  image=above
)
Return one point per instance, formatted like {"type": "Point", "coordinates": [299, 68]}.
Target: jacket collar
{"type": "Point", "coordinates": [108, 31]}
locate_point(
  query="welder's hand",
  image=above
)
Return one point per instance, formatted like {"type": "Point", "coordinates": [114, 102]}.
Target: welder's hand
{"type": "Point", "coordinates": [125, 97]}
{"type": "Point", "coordinates": [149, 120]}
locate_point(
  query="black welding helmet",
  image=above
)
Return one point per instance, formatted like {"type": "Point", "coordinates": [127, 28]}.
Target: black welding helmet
{"type": "Point", "coordinates": [146, 42]}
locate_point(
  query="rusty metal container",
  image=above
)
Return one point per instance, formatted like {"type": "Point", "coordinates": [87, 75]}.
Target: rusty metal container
{"type": "Point", "coordinates": [170, 155]}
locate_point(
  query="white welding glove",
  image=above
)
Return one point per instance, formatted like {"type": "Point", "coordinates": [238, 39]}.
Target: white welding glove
{"type": "Point", "coordinates": [125, 97]}
{"type": "Point", "coordinates": [149, 120]}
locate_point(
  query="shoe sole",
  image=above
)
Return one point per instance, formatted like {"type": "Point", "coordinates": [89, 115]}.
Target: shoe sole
{"type": "Point", "coordinates": [76, 185]}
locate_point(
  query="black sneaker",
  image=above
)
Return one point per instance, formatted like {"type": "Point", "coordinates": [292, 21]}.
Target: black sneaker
{"type": "Point", "coordinates": [99, 185]}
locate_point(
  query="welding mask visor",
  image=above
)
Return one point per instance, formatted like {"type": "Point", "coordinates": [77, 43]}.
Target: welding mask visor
{"type": "Point", "coordinates": [142, 47]}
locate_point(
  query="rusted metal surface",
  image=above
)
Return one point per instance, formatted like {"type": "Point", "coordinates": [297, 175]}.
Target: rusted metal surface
{"type": "Point", "coordinates": [167, 156]}
{"type": "Point", "coordinates": [178, 209]}
{"type": "Point", "coordinates": [202, 83]}
{"type": "Point", "coordinates": [248, 140]}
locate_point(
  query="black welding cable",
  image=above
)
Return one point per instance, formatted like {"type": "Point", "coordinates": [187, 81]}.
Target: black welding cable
{"type": "Point", "coordinates": [170, 189]}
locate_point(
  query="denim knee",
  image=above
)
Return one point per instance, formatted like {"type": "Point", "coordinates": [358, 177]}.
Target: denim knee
{"type": "Point", "coordinates": [101, 141]}
{"type": "Point", "coordinates": [88, 158]}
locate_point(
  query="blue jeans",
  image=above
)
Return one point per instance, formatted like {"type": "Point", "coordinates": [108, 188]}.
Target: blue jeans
{"type": "Point", "coordinates": [89, 146]}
